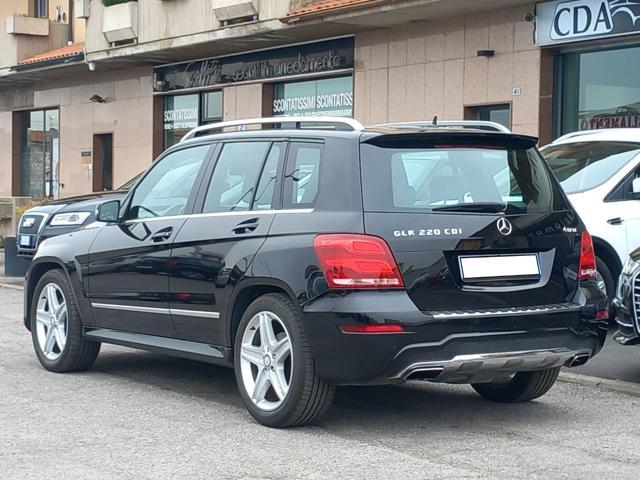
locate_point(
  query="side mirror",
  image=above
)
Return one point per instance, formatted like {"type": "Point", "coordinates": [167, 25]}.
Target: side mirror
{"type": "Point", "coordinates": [109, 211]}
{"type": "Point", "coordinates": [635, 186]}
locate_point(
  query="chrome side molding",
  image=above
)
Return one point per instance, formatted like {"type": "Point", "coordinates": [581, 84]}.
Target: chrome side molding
{"type": "Point", "coordinates": [161, 311]}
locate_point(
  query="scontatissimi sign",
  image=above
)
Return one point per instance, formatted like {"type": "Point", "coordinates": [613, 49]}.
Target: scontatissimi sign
{"type": "Point", "coordinates": [567, 21]}
{"type": "Point", "coordinates": [326, 96]}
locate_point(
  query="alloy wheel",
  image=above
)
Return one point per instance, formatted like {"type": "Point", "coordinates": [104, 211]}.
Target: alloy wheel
{"type": "Point", "coordinates": [51, 321]}
{"type": "Point", "coordinates": [266, 360]}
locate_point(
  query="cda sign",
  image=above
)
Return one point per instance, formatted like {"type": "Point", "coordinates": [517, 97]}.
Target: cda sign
{"type": "Point", "coordinates": [573, 20]}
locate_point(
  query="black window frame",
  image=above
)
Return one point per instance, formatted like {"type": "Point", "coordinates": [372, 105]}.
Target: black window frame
{"type": "Point", "coordinates": [207, 175]}
{"type": "Point", "coordinates": [287, 184]}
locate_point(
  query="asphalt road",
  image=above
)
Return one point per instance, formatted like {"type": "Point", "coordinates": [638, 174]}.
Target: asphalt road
{"type": "Point", "coordinates": [140, 415]}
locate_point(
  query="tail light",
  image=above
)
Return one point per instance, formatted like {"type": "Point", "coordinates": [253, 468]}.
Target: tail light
{"type": "Point", "coordinates": [587, 269]}
{"type": "Point", "coordinates": [357, 261]}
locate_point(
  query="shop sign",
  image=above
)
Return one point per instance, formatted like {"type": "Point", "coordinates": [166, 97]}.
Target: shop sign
{"type": "Point", "coordinates": [574, 20]}
{"type": "Point", "coordinates": [180, 118]}
{"type": "Point", "coordinates": [327, 96]}
{"type": "Point", "coordinates": [303, 59]}
{"type": "Point", "coordinates": [610, 121]}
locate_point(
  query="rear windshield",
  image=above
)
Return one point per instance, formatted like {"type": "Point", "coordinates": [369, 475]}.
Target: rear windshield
{"type": "Point", "coordinates": [476, 179]}
{"type": "Point", "coordinates": [585, 165]}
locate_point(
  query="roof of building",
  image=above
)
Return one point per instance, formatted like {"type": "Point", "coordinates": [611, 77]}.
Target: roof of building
{"type": "Point", "coordinates": [327, 6]}
{"type": "Point", "coordinates": [59, 53]}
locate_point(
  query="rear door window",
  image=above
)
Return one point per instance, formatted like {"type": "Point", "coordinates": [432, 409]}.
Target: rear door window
{"type": "Point", "coordinates": [479, 179]}
{"type": "Point", "coordinates": [235, 175]}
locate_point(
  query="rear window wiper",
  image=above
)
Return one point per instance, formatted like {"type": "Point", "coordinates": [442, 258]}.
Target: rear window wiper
{"type": "Point", "coordinates": [472, 207]}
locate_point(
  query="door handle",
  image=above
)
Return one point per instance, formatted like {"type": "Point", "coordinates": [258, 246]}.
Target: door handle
{"type": "Point", "coordinates": [615, 221]}
{"type": "Point", "coordinates": [162, 235]}
{"type": "Point", "coordinates": [246, 226]}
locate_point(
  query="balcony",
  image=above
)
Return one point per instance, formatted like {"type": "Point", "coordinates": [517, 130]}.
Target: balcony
{"type": "Point", "coordinates": [21, 25]}
{"type": "Point", "coordinates": [21, 37]}
{"type": "Point", "coordinates": [120, 23]}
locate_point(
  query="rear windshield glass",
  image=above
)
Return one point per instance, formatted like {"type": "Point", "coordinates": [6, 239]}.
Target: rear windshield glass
{"type": "Point", "coordinates": [477, 179]}
{"type": "Point", "coordinates": [585, 165]}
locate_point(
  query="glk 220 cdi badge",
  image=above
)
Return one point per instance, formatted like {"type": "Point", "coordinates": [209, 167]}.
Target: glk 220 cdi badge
{"type": "Point", "coordinates": [276, 252]}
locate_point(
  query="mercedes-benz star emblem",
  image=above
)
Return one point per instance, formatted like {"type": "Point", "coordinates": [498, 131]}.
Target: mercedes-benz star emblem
{"type": "Point", "coordinates": [504, 226]}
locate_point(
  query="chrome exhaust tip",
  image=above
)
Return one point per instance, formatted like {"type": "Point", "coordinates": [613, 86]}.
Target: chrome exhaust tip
{"type": "Point", "coordinates": [424, 373]}
{"type": "Point", "coordinates": [578, 360]}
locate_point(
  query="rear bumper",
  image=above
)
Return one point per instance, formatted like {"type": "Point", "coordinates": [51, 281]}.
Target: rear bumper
{"type": "Point", "coordinates": [460, 347]}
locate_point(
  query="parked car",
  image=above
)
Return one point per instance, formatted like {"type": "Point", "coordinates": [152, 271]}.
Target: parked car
{"type": "Point", "coordinates": [62, 216]}
{"type": "Point", "coordinates": [323, 253]}
{"type": "Point", "coordinates": [627, 302]}
{"type": "Point", "coordinates": [598, 170]}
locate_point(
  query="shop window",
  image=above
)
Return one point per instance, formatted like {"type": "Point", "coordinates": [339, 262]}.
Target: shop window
{"type": "Point", "coordinates": [40, 153]}
{"type": "Point", "coordinates": [326, 96]}
{"type": "Point", "coordinates": [181, 114]}
{"type": "Point", "coordinates": [599, 89]}
{"type": "Point", "coordinates": [500, 113]}
{"type": "Point", "coordinates": [185, 112]}
{"type": "Point", "coordinates": [212, 107]}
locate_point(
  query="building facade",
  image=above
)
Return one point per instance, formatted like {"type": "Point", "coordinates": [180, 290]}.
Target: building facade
{"type": "Point", "coordinates": [89, 94]}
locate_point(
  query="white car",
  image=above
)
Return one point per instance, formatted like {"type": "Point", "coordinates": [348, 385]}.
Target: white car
{"type": "Point", "coordinates": [600, 172]}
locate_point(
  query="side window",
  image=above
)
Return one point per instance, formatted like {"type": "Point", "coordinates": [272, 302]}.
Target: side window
{"type": "Point", "coordinates": [268, 183]}
{"type": "Point", "coordinates": [303, 174]}
{"type": "Point", "coordinates": [234, 178]}
{"type": "Point", "coordinates": [166, 189]}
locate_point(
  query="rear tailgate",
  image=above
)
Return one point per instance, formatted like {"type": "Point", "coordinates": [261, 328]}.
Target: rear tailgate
{"type": "Point", "coordinates": [472, 227]}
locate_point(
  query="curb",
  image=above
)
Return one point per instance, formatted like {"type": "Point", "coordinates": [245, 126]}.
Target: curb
{"type": "Point", "coordinates": [11, 287]}
{"type": "Point", "coordinates": [620, 386]}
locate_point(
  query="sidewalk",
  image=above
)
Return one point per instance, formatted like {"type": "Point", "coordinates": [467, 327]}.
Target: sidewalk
{"type": "Point", "coordinates": [15, 281]}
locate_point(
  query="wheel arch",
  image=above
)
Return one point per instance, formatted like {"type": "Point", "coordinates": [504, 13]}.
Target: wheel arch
{"type": "Point", "coordinates": [36, 271]}
{"type": "Point", "coordinates": [607, 253]}
{"type": "Point", "coordinates": [245, 294]}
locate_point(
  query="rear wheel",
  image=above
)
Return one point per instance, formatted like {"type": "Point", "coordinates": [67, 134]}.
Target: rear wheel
{"type": "Point", "coordinates": [56, 327]}
{"type": "Point", "coordinates": [522, 387]}
{"type": "Point", "coordinates": [274, 369]}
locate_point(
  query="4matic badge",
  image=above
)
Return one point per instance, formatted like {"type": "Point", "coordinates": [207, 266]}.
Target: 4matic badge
{"type": "Point", "coordinates": [427, 232]}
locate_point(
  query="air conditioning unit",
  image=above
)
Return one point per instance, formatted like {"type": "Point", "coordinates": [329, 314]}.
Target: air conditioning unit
{"type": "Point", "coordinates": [235, 11]}
{"type": "Point", "coordinates": [81, 8]}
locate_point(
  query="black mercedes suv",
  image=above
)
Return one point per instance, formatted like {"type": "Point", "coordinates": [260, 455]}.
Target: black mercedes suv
{"type": "Point", "coordinates": [312, 253]}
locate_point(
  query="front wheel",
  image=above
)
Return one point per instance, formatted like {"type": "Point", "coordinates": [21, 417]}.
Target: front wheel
{"type": "Point", "coordinates": [56, 327]}
{"type": "Point", "coordinates": [522, 387]}
{"type": "Point", "coordinates": [274, 369]}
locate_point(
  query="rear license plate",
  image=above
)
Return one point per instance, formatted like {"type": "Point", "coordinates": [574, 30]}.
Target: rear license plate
{"type": "Point", "coordinates": [25, 241]}
{"type": "Point", "coordinates": [502, 266]}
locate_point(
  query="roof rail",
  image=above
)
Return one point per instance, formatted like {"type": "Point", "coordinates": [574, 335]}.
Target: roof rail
{"type": "Point", "coordinates": [579, 133]}
{"type": "Point", "coordinates": [477, 124]}
{"type": "Point", "coordinates": [318, 123]}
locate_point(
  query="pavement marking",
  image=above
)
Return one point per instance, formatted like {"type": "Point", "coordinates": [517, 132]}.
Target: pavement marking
{"type": "Point", "coordinates": [11, 287]}
{"type": "Point", "coordinates": [620, 386]}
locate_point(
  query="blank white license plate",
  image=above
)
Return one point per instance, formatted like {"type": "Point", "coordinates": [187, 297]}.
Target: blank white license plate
{"type": "Point", "coordinates": [25, 241]}
{"type": "Point", "coordinates": [499, 266]}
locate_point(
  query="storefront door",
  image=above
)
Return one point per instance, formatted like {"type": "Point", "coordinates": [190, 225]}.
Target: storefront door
{"type": "Point", "coordinates": [40, 156]}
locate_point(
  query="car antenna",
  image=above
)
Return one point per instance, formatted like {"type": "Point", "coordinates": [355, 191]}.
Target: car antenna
{"type": "Point", "coordinates": [435, 121]}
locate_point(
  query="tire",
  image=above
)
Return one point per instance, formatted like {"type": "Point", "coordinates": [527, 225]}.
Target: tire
{"type": "Point", "coordinates": [306, 396]}
{"type": "Point", "coordinates": [76, 352]}
{"type": "Point", "coordinates": [607, 278]}
{"type": "Point", "coordinates": [523, 387]}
